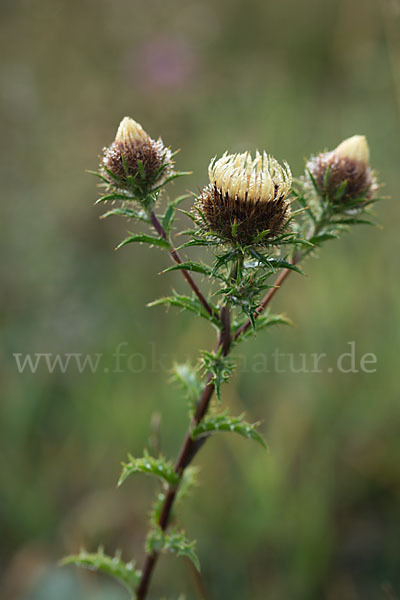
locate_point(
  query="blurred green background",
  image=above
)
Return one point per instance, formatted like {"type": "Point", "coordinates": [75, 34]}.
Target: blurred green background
{"type": "Point", "coordinates": [317, 518]}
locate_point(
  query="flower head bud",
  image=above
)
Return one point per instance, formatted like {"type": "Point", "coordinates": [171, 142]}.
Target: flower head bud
{"type": "Point", "coordinates": [344, 175]}
{"type": "Point", "coordinates": [246, 199]}
{"type": "Point", "coordinates": [135, 161]}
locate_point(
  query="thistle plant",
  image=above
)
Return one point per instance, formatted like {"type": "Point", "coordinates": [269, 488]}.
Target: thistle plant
{"type": "Point", "coordinates": [255, 226]}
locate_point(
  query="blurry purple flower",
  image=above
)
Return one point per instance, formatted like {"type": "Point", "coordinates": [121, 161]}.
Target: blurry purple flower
{"type": "Point", "coordinates": [166, 62]}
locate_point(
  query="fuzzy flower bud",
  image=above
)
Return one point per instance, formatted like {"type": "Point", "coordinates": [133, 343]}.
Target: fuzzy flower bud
{"type": "Point", "coordinates": [344, 175]}
{"type": "Point", "coordinates": [246, 199]}
{"type": "Point", "coordinates": [135, 161]}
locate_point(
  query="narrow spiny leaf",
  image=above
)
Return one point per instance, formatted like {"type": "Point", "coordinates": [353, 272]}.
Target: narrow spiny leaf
{"type": "Point", "coordinates": [187, 378]}
{"type": "Point", "coordinates": [145, 239]}
{"type": "Point", "coordinates": [186, 303]}
{"type": "Point", "coordinates": [190, 266]}
{"type": "Point", "coordinates": [215, 423]}
{"type": "Point", "coordinates": [124, 573]}
{"type": "Point", "coordinates": [174, 542]}
{"type": "Point", "coordinates": [148, 464]}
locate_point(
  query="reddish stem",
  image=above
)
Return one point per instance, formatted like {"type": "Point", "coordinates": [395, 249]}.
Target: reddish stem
{"type": "Point", "coordinates": [177, 259]}
{"type": "Point", "coordinates": [190, 447]}
{"type": "Point", "coordinates": [188, 450]}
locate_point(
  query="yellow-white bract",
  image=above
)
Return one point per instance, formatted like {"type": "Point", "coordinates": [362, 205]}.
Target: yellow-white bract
{"type": "Point", "coordinates": [354, 148]}
{"type": "Point", "coordinates": [130, 133]}
{"type": "Point", "coordinates": [239, 176]}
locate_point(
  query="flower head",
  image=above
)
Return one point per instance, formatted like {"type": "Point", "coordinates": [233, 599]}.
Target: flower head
{"type": "Point", "coordinates": [344, 175]}
{"type": "Point", "coordinates": [246, 199]}
{"type": "Point", "coordinates": [135, 161]}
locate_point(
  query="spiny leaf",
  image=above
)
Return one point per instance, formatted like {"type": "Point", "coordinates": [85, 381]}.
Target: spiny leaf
{"type": "Point", "coordinates": [140, 167]}
{"type": "Point", "coordinates": [169, 215]}
{"type": "Point", "coordinates": [284, 264]}
{"type": "Point", "coordinates": [199, 242]}
{"type": "Point", "coordinates": [187, 378]}
{"type": "Point", "coordinates": [145, 239]}
{"type": "Point", "coordinates": [215, 423]}
{"type": "Point", "coordinates": [220, 368]}
{"type": "Point", "coordinates": [123, 572]}
{"type": "Point", "coordinates": [354, 221]}
{"type": "Point", "coordinates": [186, 303]}
{"type": "Point", "coordinates": [175, 542]}
{"type": "Point", "coordinates": [312, 179]}
{"type": "Point", "coordinates": [113, 196]}
{"type": "Point", "coordinates": [322, 237]}
{"type": "Point", "coordinates": [188, 482]}
{"type": "Point", "coordinates": [171, 178]}
{"type": "Point", "coordinates": [251, 317]}
{"type": "Point", "coordinates": [274, 263]}
{"type": "Point", "coordinates": [340, 191]}
{"type": "Point", "coordinates": [190, 215]}
{"type": "Point", "coordinates": [303, 203]}
{"type": "Point", "coordinates": [148, 464]}
{"type": "Point", "coordinates": [115, 178]}
{"type": "Point", "coordinates": [156, 509]}
{"type": "Point", "coordinates": [226, 258]}
{"type": "Point", "coordinates": [126, 212]}
{"type": "Point", "coordinates": [295, 241]}
{"type": "Point", "coordinates": [190, 266]}
{"type": "Point", "coordinates": [368, 201]}
{"type": "Point", "coordinates": [99, 175]}
{"type": "Point", "coordinates": [265, 320]}
{"type": "Point", "coordinates": [326, 176]}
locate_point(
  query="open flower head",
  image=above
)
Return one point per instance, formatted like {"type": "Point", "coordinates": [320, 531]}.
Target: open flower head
{"type": "Point", "coordinates": [246, 199]}
{"type": "Point", "coordinates": [134, 161]}
{"type": "Point", "coordinates": [344, 175]}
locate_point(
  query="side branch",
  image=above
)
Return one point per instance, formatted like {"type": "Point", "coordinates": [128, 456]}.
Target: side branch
{"type": "Point", "coordinates": [177, 259]}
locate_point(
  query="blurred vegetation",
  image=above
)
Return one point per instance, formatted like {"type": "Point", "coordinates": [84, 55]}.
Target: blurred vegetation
{"type": "Point", "coordinates": [318, 517]}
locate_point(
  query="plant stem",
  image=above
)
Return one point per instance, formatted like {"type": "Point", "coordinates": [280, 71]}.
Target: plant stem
{"type": "Point", "coordinates": [177, 259]}
{"type": "Point", "coordinates": [188, 451]}
{"type": "Point", "coordinates": [190, 447]}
